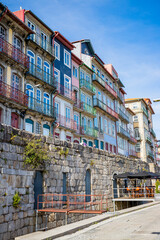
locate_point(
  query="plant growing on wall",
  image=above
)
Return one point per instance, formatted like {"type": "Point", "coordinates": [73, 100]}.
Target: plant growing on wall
{"type": "Point", "coordinates": [35, 154]}
{"type": "Point", "coordinates": [16, 200]}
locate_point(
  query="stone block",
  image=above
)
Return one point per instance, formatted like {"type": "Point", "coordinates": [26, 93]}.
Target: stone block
{"type": "Point", "coordinates": [1, 218]}
{"type": "Point", "coordinates": [8, 217]}
{"type": "Point", "coordinates": [11, 226]}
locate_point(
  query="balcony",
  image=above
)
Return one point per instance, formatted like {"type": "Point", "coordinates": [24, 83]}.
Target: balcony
{"type": "Point", "coordinates": [77, 105]}
{"type": "Point", "coordinates": [120, 96]}
{"type": "Point", "coordinates": [145, 111]}
{"type": "Point", "coordinates": [89, 131]}
{"type": "Point", "coordinates": [150, 155]}
{"type": "Point", "coordinates": [104, 85]}
{"type": "Point", "coordinates": [37, 40]}
{"type": "Point", "coordinates": [124, 133]}
{"type": "Point", "coordinates": [123, 115]}
{"type": "Point", "coordinates": [67, 123]}
{"type": "Point", "coordinates": [132, 139]}
{"type": "Point", "coordinates": [148, 139]}
{"type": "Point", "coordinates": [13, 95]}
{"type": "Point", "coordinates": [103, 107]}
{"type": "Point", "coordinates": [132, 153]}
{"type": "Point", "coordinates": [39, 74]}
{"type": "Point", "coordinates": [9, 52]}
{"type": "Point", "coordinates": [65, 92]}
{"type": "Point", "coordinates": [41, 107]}
{"type": "Point", "coordinates": [89, 110]}
{"type": "Point", "coordinates": [153, 133]}
{"type": "Point", "coordinates": [88, 87]}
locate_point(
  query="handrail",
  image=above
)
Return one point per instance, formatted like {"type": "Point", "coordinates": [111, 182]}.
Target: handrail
{"type": "Point", "coordinates": [99, 103]}
{"type": "Point", "coordinates": [123, 115]}
{"type": "Point", "coordinates": [14, 53]}
{"type": "Point", "coordinates": [13, 94]}
{"type": "Point", "coordinates": [88, 85]}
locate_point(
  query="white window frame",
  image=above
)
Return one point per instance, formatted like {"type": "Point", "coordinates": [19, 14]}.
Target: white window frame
{"type": "Point", "coordinates": [66, 52]}
{"type": "Point", "coordinates": [75, 71]}
{"type": "Point", "coordinates": [57, 45]}
{"type": "Point", "coordinates": [55, 69]}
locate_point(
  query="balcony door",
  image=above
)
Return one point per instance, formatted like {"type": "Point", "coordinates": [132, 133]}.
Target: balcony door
{"type": "Point", "coordinates": [46, 103]}
{"type": "Point", "coordinates": [31, 56]}
{"type": "Point", "coordinates": [1, 74]}
{"type": "Point", "coordinates": [30, 94]}
{"type": "Point", "coordinates": [14, 120]}
{"type": "Point", "coordinates": [15, 87]}
{"type": "Point", "coordinates": [67, 86]}
{"type": "Point", "coordinates": [46, 72]}
{"type": "Point", "coordinates": [68, 117]}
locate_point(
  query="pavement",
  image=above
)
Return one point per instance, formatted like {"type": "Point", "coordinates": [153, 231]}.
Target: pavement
{"type": "Point", "coordinates": [136, 223]}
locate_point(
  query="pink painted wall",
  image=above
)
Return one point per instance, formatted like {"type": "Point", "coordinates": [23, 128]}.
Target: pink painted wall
{"type": "Point", "coordinates": [75, 81]}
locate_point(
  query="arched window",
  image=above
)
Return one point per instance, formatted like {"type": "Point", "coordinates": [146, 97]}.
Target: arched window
{"type": "Point", "coordinates": [46, 72]}
{"type": "Point", "coordinates": [31, 56]}
{"type": "Point", "coordinates": [14, 120]}
{"type": "Point", "coordinates": [46, 103]}
{"type": "Point", "coordinates": [1, 73]}
{"type": "Point", "coordinates": [30, 94]}
{"type": "Point", "coordinates": [88, 185]}
{"type": "Point", "coordinates": [2, 32]}
{"type": "Point", "coordinates": [29, 125]}
{"type": "Point", "coordinates": [46, 130]}
{"type": "Point", "coordinates": [90, 144]}
{"type": "Point", "coordinates": [76, 141]}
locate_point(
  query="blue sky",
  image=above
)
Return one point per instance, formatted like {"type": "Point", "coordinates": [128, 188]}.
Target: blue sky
{"type": "Point", "coordinates": [125, 33]}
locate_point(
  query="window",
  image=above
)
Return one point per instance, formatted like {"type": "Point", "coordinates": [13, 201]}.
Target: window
{"type": "Point", "coordinates": [106, 146]}
{"type": "Point", "coordinates": [105, 126]}
{"type": "Point", "coordinates": [43, 41]}
{"type": "Point", "coordinates": [96, 143]}
{"type": "Point", "coordinates": [17, 43]}
{"type": "Point", "coordinates": [109, 127]}
{"type": "Point", "coordinates": [68, 114]}
{"type": "Point", "coordinates": [89, 101]}
{"type": "Point", "coordinates": [38, 95]}
{"type": "Point", "coordinates": [31, 26]}
{"type": "Point", "coordinates": [111, 148]}
{"type": "Point", "coordinates": [103, 77]}
{"type": "Point", "coordinates": [67, 58]}
{"type": "Point", "coordinates": [46, 72]}
{"type": "Point", "coordinates": [83, 98]}
{"type": "Point", "coordinates": [101, 145]}
{"type": "Point", "coordinates": [31, 56]}
{"type": "Point", "coordinates": [104, 99]}
{"type": "Point", "coordinates": [68, 138]}
{"type": "Point", "coordinates": [115, 150]}
{"type": "Point", "coordinates": [90, 144]}
{"type": "Point", "coordinates": [1, 74]}
{"type": "Point", "coordinates": [75, 95]}
{"type": "Point", "coordinates": [38, 128]}
{"type": "Point", "coordinates": [106, 80]}
{"type": "Point", "coordinates": [2, 32]}
{"type": "Point", "coordinates": [75, 71]}
{"type": "Point", "coordinates": [137, 135]}
{"type": "Point", "coordinates": [84, 123]}
{"type": "Point", "coordinates": [67, 86]}
{"type": "Point", "coordinates": [98, 72]}
{"type": "Point", "coordinates": [135, 118]}
{"type": "Point", "coordinates": [113, 130]}
{"type": "Point", "coordinates": [46, 129]}
{"type": "Point", "coordinates": [15, 85]}
{"type": "Point", "coordinates": [111, 85]}
{"type": "Point", "coordinates": [88, 79]}
{"type": "Point", "coordinates": [99, 96]}
{"type": "Point", "coordinates": [30, 94]}
{"type": "Point", "coordinates": [134, 105]}
{"type": "Point", "coordinates": [76, 120]}
{"type": "Point", "coordinates": [57, 50]}
{"type": "Point", "coordinates": [57, 109]}
{"type": "Point", "coordinates": [29, 125]}
{"type": "Point", "coordinates": [137, 148]}
{"type": "Point", "coordinates": [112, 105]}
{"type": "Point", "coordinates": [46, 104]}
{"type": "Point", "coordinates": [39, 65]}
{"type": "Point", "coordinates": [101, 123]}
{"type": "Point", "coordinates": [57, 76]}
{"type": "Point", "coordinates": [82, 75]}
{"type": "Point", "coordinates": [95, 122]}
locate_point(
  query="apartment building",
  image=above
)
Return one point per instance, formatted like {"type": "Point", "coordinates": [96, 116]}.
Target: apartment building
{"type": "Point", "coordinates": [143, 127]}
{"type": "Point", "coordinates": [103, 99]}
{"type": "Point", "coordinates": [39, 85]}
{"type": "Point", "coordinates": [124, 125]}
{"type": "Point", "coordinates": [13, 66]}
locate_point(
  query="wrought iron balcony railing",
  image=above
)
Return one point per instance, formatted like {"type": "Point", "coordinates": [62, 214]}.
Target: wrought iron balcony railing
{"type": "Point", "coordinates": [42, 42]}
{"type": "Point", "coordinates": [65, 91]}
{"type": "Point", "coordinates": [122, 131]}
{"type": "Point", "coordinates": [41, 74]}
{"type": "Point", "coordinates": [132, 153]}
{"type": "Point", "coordinates": [120, 96]}
{"type": "Point", "coordinates": [104, 107]}
{"type": "Point", "coordinates": [14, 53]}
{"type": "Point", "coordinates": [87, 85]}
{"type": "Point", "coordinates": [123, 115]}
{"type": "Point", "coordinates": [41, 107]}
{"type": "Point", "coordinates": [104, 84]}
{"type": "Point", "coordinates": [89, 131]}
{"type": "Point", "coordinates": [67, 122]}
{"type": "Point", "coordinates": [89, 109]}
{"type": "Point", "coordinates": [13, 94]}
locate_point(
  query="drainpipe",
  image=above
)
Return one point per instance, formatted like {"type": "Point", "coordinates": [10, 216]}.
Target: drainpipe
{"type": "Point", "coordinates": [3, 12]}
{"type": "Point", "coordinates": [57, 124]}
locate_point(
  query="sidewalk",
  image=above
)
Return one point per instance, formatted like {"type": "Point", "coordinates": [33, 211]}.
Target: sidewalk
{"type": "Point", "coordinates": [73, 227]}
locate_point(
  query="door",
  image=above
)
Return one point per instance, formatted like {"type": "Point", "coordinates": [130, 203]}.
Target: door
{"type": "Point", "coordinates": [64, 186]}
{"type": "Point", "coordinates": [115, 194]}
{"type": "Point", "coordinates": [67, 87]}
{"type": "Point", "coordinates": [14, 120]}
{"type": "Point", "coordinates": [38, 189]}
{"type": "Point", "coordinates": [46, 104]}
{"type": "Point", "coordinates": [30, 94]}
{"type": "Point", "coordinates": [17, 45]}
{"type": "Point", "coordinates": [88, 185]}
{"type": "Point", "coordinates": [46, 72]}
{"type": "Point", "coordinates": [31, 56]}
{"type": "Point", "coordinates": [15, 87]}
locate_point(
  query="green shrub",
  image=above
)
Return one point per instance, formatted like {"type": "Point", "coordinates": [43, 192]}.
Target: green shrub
{"type": "Point", "coordinates": [16, 200]}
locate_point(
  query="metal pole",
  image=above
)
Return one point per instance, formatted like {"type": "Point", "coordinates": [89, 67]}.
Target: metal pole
{"type": "Point", "coordinates": [66, 218]}
{"type": "Point", "coordinates": [36, 219]}
{"type": "Point", "coordinates": [114, 207]}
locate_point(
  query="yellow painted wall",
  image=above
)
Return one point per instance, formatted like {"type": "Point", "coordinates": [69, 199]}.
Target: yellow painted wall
{"type": "Point", "coordinates": [10, 35]}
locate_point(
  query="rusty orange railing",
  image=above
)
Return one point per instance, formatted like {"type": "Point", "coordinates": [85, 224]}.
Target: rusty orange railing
{"type": "Point", "coordinates": [72, 203]}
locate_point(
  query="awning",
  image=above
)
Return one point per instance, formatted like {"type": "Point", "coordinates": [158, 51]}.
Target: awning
{"type": "Point", "coordinates": [138, 175]}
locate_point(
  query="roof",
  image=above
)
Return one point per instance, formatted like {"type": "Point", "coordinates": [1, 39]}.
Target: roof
{"type": "Point", "coordinates": [76, 59]}
{"type": "Point", "coordinates": [15, 18]}
{"type": "Point", "coordinates": [99, 59]}
{"type": "Point", "coordinates": [135, 100]}
{"type": "Point", "coordinates": [63, 40]}
{"type": "Point", "coordinates": [83, 64]}
{"type": "Point", "coordinates": [88, 43]}
{"type": "Point", "coordinates": [38, 19]}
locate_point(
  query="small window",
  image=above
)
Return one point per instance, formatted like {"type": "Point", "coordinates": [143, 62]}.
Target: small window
{"type": "Point", "coordinates": [135, 118]}
{"type": "Point", "coordinates": [67, 59]}
{"type": "Point", "coordinates": [2, 32]}
{"type": "Point", "coordinates": [134, 105]}
{"type": "Point", "coordinates": [138, 147]}
{"type": "Point", "coordinates": [75, 71]}
{"type": "Point", "coordinates": [57, 50]}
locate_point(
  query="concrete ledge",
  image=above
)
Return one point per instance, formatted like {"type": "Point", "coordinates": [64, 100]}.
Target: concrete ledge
{"type": "Point", "coordinates": [74, 227]}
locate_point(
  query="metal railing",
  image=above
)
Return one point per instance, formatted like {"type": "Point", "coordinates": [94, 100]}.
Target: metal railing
{"type": "Point", "coordinates": [97, 78]}
{"type": "Point", "coordinates": [150, 154]}
{"type": "Point", "coordinates": [13, 94]}
{"type": "Point", "coordinates": [89, 109]}
{"type": "Point", "coordinates": [41, 74]}
{"type": "Point", "coordinates": [132, 153]}
{"type": "Point", "coordinates": [100, 104]}
{"type": "Point", "coordinates": [124, 132]}
{"type": "Point", "coordinates": [67, 122]}
{"type": "Point", "coordinates": [65, 91]}
{"type": "Point", "coordinates": [89, 131]}
{"type": "Point", "coordinates": [137, 192]}
{"type": "Point", "coordinates": [123, 115]}
{"type": "Point", "coordinates": [89, 86]}
{"type": "Point", "coordinates": [41, 107]}
{"type": "Point", "coordinates": [77, 103]}
{"type": "Point", "coordinates": [42, 42]}
{"type": "Point", "coordinates": [14, 53]}
{"type": "Point", "coordinates": [120, 96]}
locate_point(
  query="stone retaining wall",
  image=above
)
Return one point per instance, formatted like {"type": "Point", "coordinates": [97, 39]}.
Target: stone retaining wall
{"type": "Point", "coordinates": [15, 177]}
